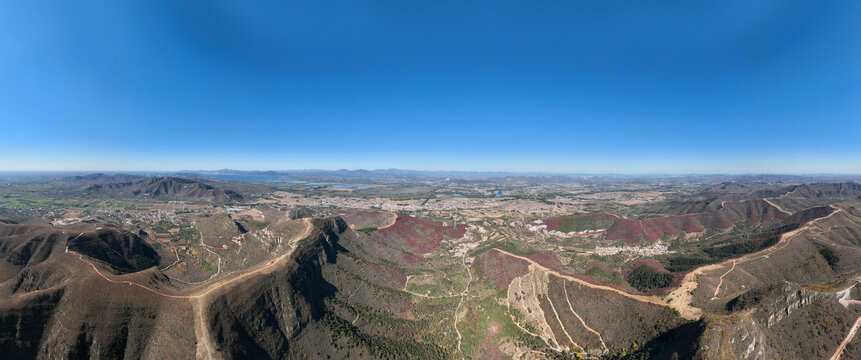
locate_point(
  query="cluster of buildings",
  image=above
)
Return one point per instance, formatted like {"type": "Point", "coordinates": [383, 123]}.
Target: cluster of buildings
{"type": "Point", "coordinates": [462, 248]}
{"type": "Point", "coordinates": [384, 204]}
{"type": "Point", "coordinates": [651, 250]}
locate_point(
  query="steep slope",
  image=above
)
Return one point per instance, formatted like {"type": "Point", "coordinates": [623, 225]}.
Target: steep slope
{"type": "Point", "coordinates": [779, 320]}
{"type": "Point", "coordinates": [53, 305]}
{"type": "Point", "coordinates": [286, 300]}
{"type": "Point", "coordinates": [56, 303]}
{"type": "Point", "coordinates": [123, 251]}
{"type": "Point", "coordinates": [323, 292]}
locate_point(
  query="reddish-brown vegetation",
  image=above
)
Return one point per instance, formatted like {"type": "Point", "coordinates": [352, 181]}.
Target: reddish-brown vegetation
{"type": "Point", "coordinates": [635, 231]}
{"type": "Point", "coordinates": [553, 223]}
{"type": "Point", "coordinates": [417, 235]}
{"type": "Point", "coordinates": [605, 310]}
{"type": "Point", "coordinates": [600, 266]}
{"type": "Point", "coordinates": [384, 275]}
{"type": "Point", "coordinates": [654, 264]}
{"type": "Point", "coordinates": [546, 260]}
{"type": "Point", "coordinates": [490, 348]}
{"type": "Point", "coordinates": [363, 219]}
{"type": "Point", "coordinates": [501, 267]}
{"type": "Point", "coordinates": [407, 240]}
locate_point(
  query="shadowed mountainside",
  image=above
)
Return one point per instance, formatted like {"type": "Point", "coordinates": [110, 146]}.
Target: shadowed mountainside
{"type": "Point", "coordinates": [124, 251]}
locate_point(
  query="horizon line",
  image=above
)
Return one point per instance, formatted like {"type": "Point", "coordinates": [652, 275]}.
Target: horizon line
{"type": "Point", "coordinates": [513, 172]}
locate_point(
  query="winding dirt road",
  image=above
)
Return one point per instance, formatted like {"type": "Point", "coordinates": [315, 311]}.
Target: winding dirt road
{"type": "Point", "coordinates": [649, 299]}
{"type": "Point", "coordinates": [582, 322]}
{"type": "Point", "coordinates": [720, 280]}
{"type": "Point", "coordinates": [776, 206]}
{"type": "Point", "coordinates": [849, 337]}
{"type": "Point", "coordinates": [456, 310]}
{"type": "Point", "coordinates": [680, 298]}
{"type": "Point", "coordinates": [782, 243]}
{"type": "Point", "coordinates": [201, 296]}
{"type": "Point", "coordinates": [845, 301]}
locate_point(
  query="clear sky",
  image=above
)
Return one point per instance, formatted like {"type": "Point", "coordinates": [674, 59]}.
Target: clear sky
{"type": "Point", "coordinates": [556, 86]}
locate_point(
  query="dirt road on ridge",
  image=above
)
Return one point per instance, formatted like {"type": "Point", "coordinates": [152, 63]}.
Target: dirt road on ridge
{"type": "Point", "coordinates": [680, 298]}
{"type": "Point", "coordinates": [200, 296]}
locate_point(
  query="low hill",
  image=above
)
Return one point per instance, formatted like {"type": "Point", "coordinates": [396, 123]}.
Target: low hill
{"type": "Point", "coordinates": [166, 187]}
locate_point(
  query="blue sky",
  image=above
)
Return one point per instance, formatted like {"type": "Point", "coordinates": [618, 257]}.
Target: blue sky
{"type": "Point", "coordinates": [556, 86]}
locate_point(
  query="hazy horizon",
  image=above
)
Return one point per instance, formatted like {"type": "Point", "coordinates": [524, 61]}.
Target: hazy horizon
{"type": "Point", "coordinates": [488, 172]}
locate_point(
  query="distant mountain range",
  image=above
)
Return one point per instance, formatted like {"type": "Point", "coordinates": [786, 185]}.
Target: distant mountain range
{"type": "Point", "coordinates": [102, 178]}
{"type": "Point", "coordinates": [168, 187]}
{"type": "Point", "coordinates": [386, 175]}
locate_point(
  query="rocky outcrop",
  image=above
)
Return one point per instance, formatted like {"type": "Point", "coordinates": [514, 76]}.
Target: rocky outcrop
{"type": "Point", "coordinates": [752, 330]}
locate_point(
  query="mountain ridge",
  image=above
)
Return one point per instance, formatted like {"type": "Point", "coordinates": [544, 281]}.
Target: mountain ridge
{"type": "Point", "coordinates": [168, 187]}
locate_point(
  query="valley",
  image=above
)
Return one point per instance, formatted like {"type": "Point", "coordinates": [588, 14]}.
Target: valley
{"type": "Point", "coordinates": [601, 268]}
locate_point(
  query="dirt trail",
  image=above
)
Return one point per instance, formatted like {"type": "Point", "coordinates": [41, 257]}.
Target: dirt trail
{"type": "Point", "coordinates": [561, 325]}
{"type": "Point", "coordinates": [462, 298]}
{"type": "Point", "coordinates": [782, 243]}
{"type": "Point", "coordinates": [777, 206]}
{"type": "Point", "coordinates": [567, 299]}
{"type": "Point", "coordinates": [127, 282]}
{"type": "Point", "coordinates": [394, 220]}
{"type": "Point", "coordinates": [720, 282]}
{"type": "Point", "coordinates": [200, 296]}
{"type": "Point", "coordinates": [680, 298]}
{"type": "Point", "coordinates": [845, 301]}
{"type": "Point", "coordinates": [425, 295]}
{"type": "Point", "coordinates": [849, 337]}
{"type": "Point", "coordinates": [649, 299]}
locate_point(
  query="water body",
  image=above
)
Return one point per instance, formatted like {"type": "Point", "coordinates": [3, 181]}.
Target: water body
{"type": "Point", "coordinates": [459, 195]}
{"type": "Point", "coordinates": [351, 186]}
{"type": "Point", "coordinates": [253, 178]}
{"type": "Point", "coordinates": [496, 193]}
{"type": "Point", "coordinates": [276, 179]}
{"type": "Point", "coordinates": [339, 186]}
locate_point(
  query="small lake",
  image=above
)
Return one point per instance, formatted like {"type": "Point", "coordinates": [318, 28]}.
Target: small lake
{"type": "Point", "coordinates": [318, 185]}
{"type": "Point", "coordinates": [253, 178]}
{"type": "Point", "coordinates": [459, 195]}
{"type": "Point", "coordinates": [275, 179]}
